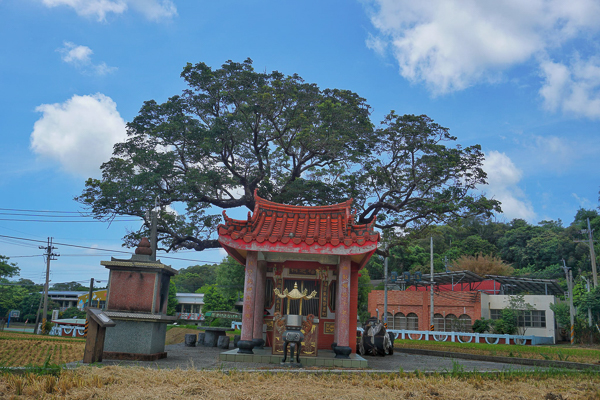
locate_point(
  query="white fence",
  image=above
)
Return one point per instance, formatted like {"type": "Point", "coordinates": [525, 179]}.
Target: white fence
{"type": "Point", "coordinates": [465, 337]}
{"type": "Point", "coordinates": [67, 330]}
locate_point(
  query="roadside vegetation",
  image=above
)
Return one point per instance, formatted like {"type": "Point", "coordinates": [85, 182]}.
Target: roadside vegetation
{"type": "Point", "coordinates": [588, 355]}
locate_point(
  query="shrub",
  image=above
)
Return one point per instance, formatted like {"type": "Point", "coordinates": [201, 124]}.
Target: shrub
{"type": "Point", "coordinates": [482, 325]}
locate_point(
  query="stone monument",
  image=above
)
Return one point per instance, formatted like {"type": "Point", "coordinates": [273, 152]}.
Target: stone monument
{"type": "Point", "coordinates": [136, 300]}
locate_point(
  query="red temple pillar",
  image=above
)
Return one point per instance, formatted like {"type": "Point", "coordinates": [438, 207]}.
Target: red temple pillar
{"type": "Point", "coordinates": [336, 324]}
{"type": "Point", "coordinates": [343, 348]}
{"type": "Point", "coordinates": [245, 345]}
{"type": "Point", "coordinates": [353, 306]}
{"type": "Point", "coordinates": [259, 305]}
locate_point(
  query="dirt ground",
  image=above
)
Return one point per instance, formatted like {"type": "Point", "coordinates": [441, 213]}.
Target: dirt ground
{"type": "Point", "coordinates": [177, 335]}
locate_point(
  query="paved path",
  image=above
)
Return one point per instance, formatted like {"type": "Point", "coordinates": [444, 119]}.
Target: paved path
{"type": "Point", "coordinates": [183, 357]}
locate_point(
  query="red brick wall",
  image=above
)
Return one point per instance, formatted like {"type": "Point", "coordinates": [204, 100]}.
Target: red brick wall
{"type": "Point", "coordinates": [457, 303]}
{"type": "Point", "coordinates": [131, 291]}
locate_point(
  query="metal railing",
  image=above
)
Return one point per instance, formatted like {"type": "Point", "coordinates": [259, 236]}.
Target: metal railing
{"type": "Point", "coordinates": [467, 337]}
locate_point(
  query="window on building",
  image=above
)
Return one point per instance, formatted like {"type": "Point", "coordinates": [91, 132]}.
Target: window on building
{"type": "Point", "coordinates": [390, 320]}
{"type": "Point", "coordinates": [451, 323]}
{"type": "Point", "coordinates": [495, 313]}
{"type": "Point", "coordinates": [438, 322]}
{"type": "Point", "coordinates": [526, 319]}
{"type": "Point", "coordinates": [399, 321]}
{"type": "Point", "coordinates": [465, 323]}
{"type": "Point", "coordinates": [532, 319]}
{"type": "Point", "coordinates": [412, 321]}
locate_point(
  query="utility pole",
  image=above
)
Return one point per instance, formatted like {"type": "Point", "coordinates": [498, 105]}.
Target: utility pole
{"type": "Point", "coordinates": [587, 285]}
{"type": "Point", "coordinates": [49, 257]}
{"type": "Point", "coordinates": [153, 229]}
{"type": "Point", "coordinates": [385, 289]}
{"type": "Point", "coordinates": [91, 292]}
{"type": "Point", "coordinates": [569, 275]}
{"type": "Point", "coordinates": [590, 233]}
{"type": "Point", "coordinates": [590, 242]}
{"type": "Point", "coordinates": [37, 315]}
{"type": "Point", "coordinates": [431, 281]}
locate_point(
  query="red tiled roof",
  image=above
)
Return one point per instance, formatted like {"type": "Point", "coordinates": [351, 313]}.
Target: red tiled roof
{"type": "Point", "coordinates": [294, 225]}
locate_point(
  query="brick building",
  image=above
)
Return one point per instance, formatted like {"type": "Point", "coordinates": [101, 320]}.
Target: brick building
{"type": "Point", "coordinates": [461, 297]}
{"type": "Point", "coordinates": [411, 309]}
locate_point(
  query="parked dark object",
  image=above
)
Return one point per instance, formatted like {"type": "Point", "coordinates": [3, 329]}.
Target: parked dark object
{"type": "Point", "coordinates": [374, 339]}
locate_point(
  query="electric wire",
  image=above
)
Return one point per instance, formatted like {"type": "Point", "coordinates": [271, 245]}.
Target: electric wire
{"type": "Point", "coordinates": [14, 212]}
{"type": "Point", "coordinates": [100, 249]}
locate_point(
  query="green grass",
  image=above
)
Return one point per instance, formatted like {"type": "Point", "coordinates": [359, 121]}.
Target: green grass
{"type": "Point", "coordinates": [190, 326]}
{"type": "Point", "coordinates": [561, 353]}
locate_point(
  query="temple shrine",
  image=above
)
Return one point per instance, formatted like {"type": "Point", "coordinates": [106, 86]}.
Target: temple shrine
{"type": "Point", "coordinates": [305, 248]}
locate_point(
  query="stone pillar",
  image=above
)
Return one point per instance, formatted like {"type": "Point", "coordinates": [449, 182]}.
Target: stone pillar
{"type": "Point", "coordinates": [343, 349]}
{"type": "Point", "coordinates": [245, 345]}
{"type": "Point", "coordinates": [336, 326]}
{"type": "Point", "coordinates": [353, 307]}
{"type": "Point", "coordinates": [259, 305]}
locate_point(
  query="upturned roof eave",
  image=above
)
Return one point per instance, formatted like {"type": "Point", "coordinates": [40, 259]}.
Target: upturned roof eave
{"type": "Point", "coordinates": [315, 248]}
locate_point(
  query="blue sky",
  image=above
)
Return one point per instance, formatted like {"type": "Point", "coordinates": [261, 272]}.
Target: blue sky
{"type": "Point", "coordinates": [522, 79]}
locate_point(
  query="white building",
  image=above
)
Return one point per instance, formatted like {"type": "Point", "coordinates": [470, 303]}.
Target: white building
{"type": "Point", "coordinates": [189, 306]}
{"type": "Point", "coordinates": [539, 321]}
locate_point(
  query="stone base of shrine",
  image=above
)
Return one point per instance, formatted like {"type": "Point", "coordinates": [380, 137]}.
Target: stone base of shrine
{"type": "Point", "coordinates": [326, 359]}
{"type": "Point", "coordinates": [113, 355]}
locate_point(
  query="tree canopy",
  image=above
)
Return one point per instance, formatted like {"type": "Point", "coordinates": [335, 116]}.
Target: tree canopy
{"type": "Point", "coordinates": [7, 269]}
{"type": "Point", "coordinates": [234, 130]}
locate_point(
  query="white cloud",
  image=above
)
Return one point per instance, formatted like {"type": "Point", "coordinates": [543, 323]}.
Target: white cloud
{"type": "Point", "coordinates": [582, 201]}
{"type": "Point", "coordinates": [73, 54]}
{"type": "Point", "coordinates": [79, 134]}
{"type": "Point", "coordinates": [503, 180]}
{"type": "Point", "coordinates": [452, 44]}
{"type": "Point", "coordinates": [573, 89]}
{"type": "Point", "coordinates": [153, 10]}
{"type": "Point", "coordinates": [80, 57]}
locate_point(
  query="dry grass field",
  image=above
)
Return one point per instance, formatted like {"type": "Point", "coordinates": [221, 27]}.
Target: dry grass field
{"type": "Point", "coordinates": [18, 350]}
{"type": "Point", "coordinates": [141, 383]}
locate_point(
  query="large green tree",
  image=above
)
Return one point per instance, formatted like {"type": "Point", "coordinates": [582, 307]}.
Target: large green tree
{"type": "Point", "coordinates": [7, 269]}
{"type": "Point", "coordinates": [235, 130]}
{"type": "Point", "coordinates": [190, 279]}
{"type": "Point", "coordinates": [11, 294]}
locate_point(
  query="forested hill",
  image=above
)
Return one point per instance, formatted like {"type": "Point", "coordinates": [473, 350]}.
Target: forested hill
{"type": "Point", "coordinates": [514, 248]}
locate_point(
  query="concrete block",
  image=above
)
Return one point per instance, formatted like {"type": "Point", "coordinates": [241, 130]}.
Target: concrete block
{"type": "Point", "coordinates": [201, 339]}
{"type": "Point", "coordinates": [223, 342]}
{"type": "Point", "coordinates": [137, 337]}
{"type": "Point", "coordinates": [190, 340]}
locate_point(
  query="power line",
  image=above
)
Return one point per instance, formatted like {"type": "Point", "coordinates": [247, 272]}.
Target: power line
{"type": "Point", "coordinates": [54, 216]}
{"type": "Point", "coordinates": [109, 250]}
{"type": "Point", "coordinates": [41, 211]}
{"type": "Point", "coordinates": [37, 255]}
